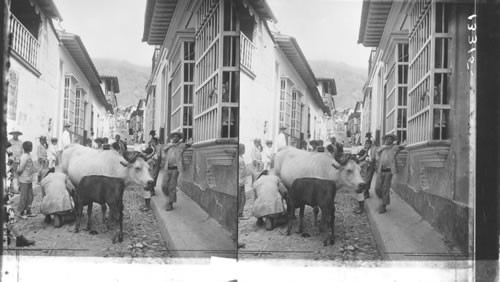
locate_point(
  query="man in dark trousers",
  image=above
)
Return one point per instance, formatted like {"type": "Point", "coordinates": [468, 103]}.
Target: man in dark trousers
{"type": "Point", "coordinates": [171, 163]}
{"type": "Point", "coordinates": [386, 167]}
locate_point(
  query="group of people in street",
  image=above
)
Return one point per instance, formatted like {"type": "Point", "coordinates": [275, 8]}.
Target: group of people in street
{"type": "Point", "coordinates": [381, 161]}
{"type": "Point", "coordinates": [168, 160]}
{"type": "Point", "coordinates": [378, 162]}
{"type": "Point", "coordinates": [24, 170]}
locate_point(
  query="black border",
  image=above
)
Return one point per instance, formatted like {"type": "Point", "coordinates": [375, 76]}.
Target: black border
{"type": "Point", "coordinates": [488, 123]}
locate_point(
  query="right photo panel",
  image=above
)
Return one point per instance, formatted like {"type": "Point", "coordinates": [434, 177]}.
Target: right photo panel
{"type": "Point", "coordinates": [353, 144]}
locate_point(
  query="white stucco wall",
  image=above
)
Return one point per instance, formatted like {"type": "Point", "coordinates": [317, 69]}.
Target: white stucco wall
{"type": "Point", "coordinates": [37, 96]}
{"type": "Point", "coordinates": [260, 96]}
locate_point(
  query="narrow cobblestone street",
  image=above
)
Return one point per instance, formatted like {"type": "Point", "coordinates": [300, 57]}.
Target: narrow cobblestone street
{"type": "Point", "coordinates": [353, 238]}
{"type": "Point", "coordinates": [141, 236]}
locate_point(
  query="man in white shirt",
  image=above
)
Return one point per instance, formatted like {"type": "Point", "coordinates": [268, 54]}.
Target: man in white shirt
{"type": "Point", "coordinates": [267, 155]}
{"type": "Point", "coordinates": [66, 137]}
{"type": "Point", "coordinates": [281, 143]}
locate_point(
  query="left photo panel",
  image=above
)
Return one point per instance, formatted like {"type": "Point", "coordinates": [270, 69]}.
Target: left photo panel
{"type": "Point", "coordinates": [121, 132]}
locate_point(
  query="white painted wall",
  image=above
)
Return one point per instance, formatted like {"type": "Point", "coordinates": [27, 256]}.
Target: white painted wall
{"type": "Point", "coordinates": [260, 96]}
{"type": "Point", "coordinates": [37, 96]}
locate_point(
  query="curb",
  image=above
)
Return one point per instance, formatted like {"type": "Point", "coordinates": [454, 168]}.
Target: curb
{"type": "Point", "coordinates": [375, 230]}
{"type": "Point", "coordinates": [163, 228]}
{"type": "Point", "coordinates": [191, 232]}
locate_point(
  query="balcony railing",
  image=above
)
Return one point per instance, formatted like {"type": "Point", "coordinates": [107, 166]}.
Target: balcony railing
{"type": "Point", "coordinates": [371, 60]}
{"type": "Point", "coordinates": [154, 59]}
{"type": "Point", "coordinates": [247, 49]}
{"type": "Point", "coordinates": [23, 43]}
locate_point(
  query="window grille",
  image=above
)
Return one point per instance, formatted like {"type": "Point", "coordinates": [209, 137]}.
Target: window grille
{"type": "Point", "coordinates": [216, 78]}
{"type": "Point", "coordinates": [12, 100]}
{"type": "Point", "coordinates": [286, 104]}
{"type": "Point", "coordinates": [396, 90]}
{"type": "Point", "coordinates": [182, 87]}
{"type": "Point", "coordinates": [296, 114]}
{"type": "Point", "coordinates": [152, 108]}
{"type": "Point", "coordinates": [429, 72]}
{"type": "Point", "coordinates": [79, 112]}
{"type": "Point", "coordinates": [69, 102]}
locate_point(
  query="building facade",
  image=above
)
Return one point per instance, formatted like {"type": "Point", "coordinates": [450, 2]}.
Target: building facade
{"type": "Point", "coordinates": [278, 87]}
{"type": "Point", "coordinates": [34, 75]}
{"type": "Point", "coordinates": [418, 89]}
{"type": "Point", "coordinates": [52, 80]}
{"type": "Point", "coordinates": [83, 102]}
{"type": "Point", "coordinates": [194, 88]}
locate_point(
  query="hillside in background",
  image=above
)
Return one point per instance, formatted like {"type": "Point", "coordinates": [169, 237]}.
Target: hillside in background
{"type": "Point", "coordinates": [349, 80]}
{"type": "Point", "coordinates": [132, 79]}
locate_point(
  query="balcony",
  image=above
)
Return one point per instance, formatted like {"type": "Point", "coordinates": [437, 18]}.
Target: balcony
{"type": "Point", "coordinates": [154, 59]}
{"type": "Point", "coordinates": [371, 60]}
{"type": "Point", "coordinates": [24, 44]}
{"type": "Point", "coordinates": [247, 49]}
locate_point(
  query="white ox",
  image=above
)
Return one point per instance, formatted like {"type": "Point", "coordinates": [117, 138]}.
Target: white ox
{"type": "Point", "coordinates": [79, 161]}
{"type": "Point", "coordinates": [291, 163]}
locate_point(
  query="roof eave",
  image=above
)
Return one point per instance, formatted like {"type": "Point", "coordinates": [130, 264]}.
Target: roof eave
{"type": "Point", "coordinates": [374, 16]}
{"type": "Point", "coordinates": [157, 19]}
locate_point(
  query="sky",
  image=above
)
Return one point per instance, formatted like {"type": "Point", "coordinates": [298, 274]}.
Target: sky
{"type": "Point", "coordinates": [324, 29]}
{"type": "Point", "coordinates": [108, 28]}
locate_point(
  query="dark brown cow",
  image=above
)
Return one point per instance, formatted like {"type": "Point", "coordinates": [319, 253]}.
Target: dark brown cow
{"type": "Point", "coordinates": [102, 190]}
{"type": "Point", "coordinates": [313, 192]}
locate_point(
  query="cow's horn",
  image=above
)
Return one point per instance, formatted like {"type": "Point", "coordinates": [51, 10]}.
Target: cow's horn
{"type": "Point", "coordinates": [133, 158]}
{"type": "Point", "coordinates": [149, 156]}
{"type": "Point", "coordinates": [335, 164]}
{"type": "Point", "coordinates": [123, 164]}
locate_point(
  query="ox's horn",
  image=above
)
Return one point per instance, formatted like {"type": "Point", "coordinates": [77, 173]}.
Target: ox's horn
{"type": "Point", "coordinates": [335, 164]}
{"type": "Point", "coordinates": [130, 157]}
{"type": "Point", "coordinates": [149, 156]}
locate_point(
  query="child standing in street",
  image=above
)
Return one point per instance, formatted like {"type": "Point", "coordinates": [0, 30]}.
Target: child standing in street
{"type": "Point", "coordinates": [26, 172]}
{"type": "Point", "coordinates": [386, 168]}
{"type": "Point", "coordinates": [148, 190]}
{"type": "Point", "coordinates": [42, 152]}
{"type": "Point", "coordinates": [52, 153]}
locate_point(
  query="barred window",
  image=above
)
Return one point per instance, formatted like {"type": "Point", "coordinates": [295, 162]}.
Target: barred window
{"type": "Point", "coordinates": [296, 114]}
{"type": "Point", "coordinates": [216, 80]}
{"type": "Point", "coordinates": [79, 114]}
{"type": "Point", "coordinates": [286, 104]}
{"type": "Point", "coordinates": [69, 101]}
{"type": "Point", "coordinates": [182, 85]}
{"type": "Point", "coordinates": [396, 89]}
{"type": "Point", "coordinates": [152, 108]}
{"type": "Point", "coordinates": [429, 47]}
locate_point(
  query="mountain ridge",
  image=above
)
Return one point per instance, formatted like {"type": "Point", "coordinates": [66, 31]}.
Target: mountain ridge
{"type": "Point", "coordinates": [132, 79]}
{"type": "Point", "coordinates": [349, 81]}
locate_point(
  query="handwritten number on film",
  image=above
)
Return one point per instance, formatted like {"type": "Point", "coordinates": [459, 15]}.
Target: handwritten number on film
{"type": "Point", "coordinates": [472, 41]}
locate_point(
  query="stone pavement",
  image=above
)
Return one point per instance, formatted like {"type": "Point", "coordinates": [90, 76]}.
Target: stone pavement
{"type": "Point", "coordinates": [188, 230]}
{"type": "Point", "coordinates": [354, 241]}
{"type": "Point", "coordinates": [402, 234]}
{"type": "Point", "coordinates": [141, 235]}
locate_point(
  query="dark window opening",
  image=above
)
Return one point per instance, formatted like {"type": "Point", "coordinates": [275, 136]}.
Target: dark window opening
{"type": "Point", "coordinates": [26, 14]}
{"type": "Point", "coordinates": [247, 22]}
